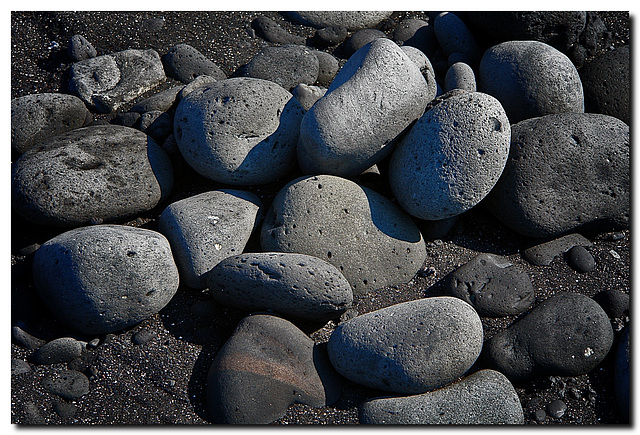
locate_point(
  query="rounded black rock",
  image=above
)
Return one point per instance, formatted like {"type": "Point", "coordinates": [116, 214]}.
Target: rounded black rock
{"type": "Point", "coordinates": [580, 259]}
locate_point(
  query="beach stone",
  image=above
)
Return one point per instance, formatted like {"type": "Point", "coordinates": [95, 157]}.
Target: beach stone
{"type": "Point", "coordinates": [565, 171]}
{"type": "Point", "coordinates": [184, 62]}
{"type": "Point", "coordinates": [65, 410]}
{"type": "Point", "coordinates": [352, 20]}
{"type": "Point", "coordinates": [460, 76]}
{"type": "Point", "coordinates": [422, 62]}
{"type": "Point", "coordinates": [64, 349]}
{"type": "Point", "coordinates": [199, 81]}
{"type": "Point", "coordinates": [492, 285]}
{"type": "Point", "coordinates": [367, 237]}
{"type": "Point", "coordinates": [530, 79]}
{"type": "Point", "coordinates": [127, 119]}
{"type": "Point", "coordinates": [24, 339]}
{"type": "Point", "coordinates": [330, 36]}
{"type": "Point", "coordinates": [452, 157]}
{"type": "Point", "coordinates": [542, 254]}
{"type": "Point", "coordinates": [267, 365]}
{"type": "Point", "coordinates": [622, 377]}
{"type": "Point", "coordinates": [376, 95]}
{"type": "Point", "coordinates": [36, 118]}
{"type": "Point", "coordinates": [293, 285]}
{"type": "Point", "coordinates": [328, 67]}
{"type": "Point", "coordinates": [68, 384]}
{"type": "Point", "coordinates": [413, 32]}
{"type": "Point", "coordinates": [580, 259]}
{"type": "Point", "coordinates": [80, 49]}
{"type": "Point", "coordinates": [107, 82]}
{"type": "Point", "coordinates": [271, 31]}
{"type": "Point", "coordinates": [156, 124]}
{"type": "Point", "coordinates": [142, 337]}
{"type": "Point", "coordinates": [557, 408]}
{"type": "Point", "coordinates": [485, 397]}
{"type": "Point", "coordinates": [308, 95]}
{"type": "Point", "coordinates": [408, 348]}
{"type": "Point", "coordinates": [286, 65]}
{"type": "Point", "coordinates": [104, 278]}
{"type": "Point", "coordinates": [568, 334]}
{"type": "Point", "coordinates": [206, 228]}
{"type": "Point", "coordinates": [161, 101]}
{"type": "Point", "coordinates": [359, 39]}
{"type": "Point", "coordinates": [614, 302]}
{"type": "Point", "coordinates": [19, 367]}
{"type": "Point", "coordinates": [455, 37]}
{"type": "Point", "coordinates": [108, 172]}
{"type": "Point", "coordinates": [239, 131]}
{"type": "Point", "coordinates": [606, 82]}
{"type": "Point", "coordinates": [436, 230]}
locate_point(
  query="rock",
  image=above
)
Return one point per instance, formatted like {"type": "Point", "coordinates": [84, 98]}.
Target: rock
{"type": "Point", "coordinates": [530, 79]}
{"type": "Point", "coordinates": [606, 83]}
{"type": "Point", "coordinates": [127, 119]}
{"type": "Point", "coordinates": [614, 302]}
{"type": "Point", "coordinates": [330, 36]}
{"type": "Point", "coordinates": [170, 146]}
{"type": "Point", "coordinates": [622, 377]}
{"type": "Point", "coordinates": [367, 237]}
{"type": "Point", "coordinates": [60, 350]}
{"type": "Point", "coordinates": [24, 339]}
{"type": "Point", "coordinates": [184, 62]}
{"type": "Point", "coordinates": [455, 37]}
{"type": "Point", "coordinates": [485, 397]}
{"type": "Point", "coordinates": [80, 49]}
{"type": "Point", "coordinates": [359, 39]}
{"type": "Point", "coordinates": [286, 65]}
{"type": "Point", "coordinates": [308, 95]}
{"type": "Point", "coordinates": [143, 336]}
{"type": "Point", "coordinates": [108, 172]}
{"type": "Point", "coordinates": [557, 408]}
{"type": "Point", "coordinates": [206, 228]}
{"type": "Point", "coordinates": [352, 20]}
{"type": "Point", "coordinates": [228, 130]}
{"type": "Point", "coordinates": [422, 62]}
{"type": "Point", "coordinates": [36, 118]}
{"type": "Point", "coordinates": [328, 67]}
{"type": "Point", "coordinates": [460, 76]}
{"type": "Point", "coordinates": [568, 334]}
{"type": "Point", "coordinates": [33, 414]}
{"type": "Point", "coordinates": [109, 81]}
{"type": "Point", "coordinates": [267, 365]}
{"type": "Point", "coordinates": [202, 80]}
{"type": "Point", "coordinates": [543, 254]}
{"type": "Point", "coordinates": [271, 31]}
{"type": "Point", "coordinates": [565, 171]}
{"type": "Point", "coordinates": [376, 95]}
{"type": "Point", "coordinates": [492, 285]}
{"type": "Point", "coordinates": [296, 285]}
{"type": "Point", "coordinates": [412, 32]}
{"type": "Point", "coordinates": [156, 124]}
{"type": "Point", "coordinates": [580, 259]}
{"type": "Point", "coordinates": [408, 348]}
{"type": "Point", "coordinates": [19, 367]}
{"type": "Point", "coordinates": [452, 157]}
{"type": "Point", "coordinates": [540, 415]}
{"type": "Point", "coordinates": [104, 278]}
{"type": "Point", "coordinates": [65, 410]}
{"type": "Point", "coordinates": [435, 230]}
{"type": "Point", "coordinates": [161, 101]}
{"type": "Point", "coordinates": [68, 384]}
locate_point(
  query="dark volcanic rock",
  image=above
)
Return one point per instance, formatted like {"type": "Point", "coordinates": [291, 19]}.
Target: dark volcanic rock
{"type": "Point", "coordinates": [271, 31]}
{"type": "Point", "coordinates": [185, 63]}
{"type": "Point", "coordinates": [68, 384]}
{"type": "Point", "coordinates": [63, 349]}
{"type": "Point", "coordinates": [359, 39]}
{"type": "Point", "coordinates": [80, 49]}
{"type": "Point", "coordinates": [580, 259]}
{"type": "Point", "coordinates": [330, 35]}
{"type": "Point", "coordinates": [286, 65]}
{"type": "Point", "coordinates": [543, 254]}
{"type": "Point", "coordinates": [614, 302]}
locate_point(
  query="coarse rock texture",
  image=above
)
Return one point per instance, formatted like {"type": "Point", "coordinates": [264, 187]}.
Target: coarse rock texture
{"type": "Point", "coordinates": [485, 397]}
{"type": "Point", "coordinates": [359, 39]}
{"type": "Point", "coordinates": [408, 348]}
{"type": "Point", "coordinates": [105, 278]}
{"type": "Point", "coordinates": [452, 157]}
{"type": "Point", "coordinates": [352, 20]}
{"type": "Point", "coordinates": [376, 95]}
{"type": "Point", "coordinates": [542, 254]}
{"type": "Point", "coordinates": [185, 63]}
{"type": "Point", "coordinates": [565, 171]}
{"type": "Point", "coordinates": [455, 37]}
{"type": "Point", "coordinates": [161, 101]}
{"type": "Point", "coordinates": [307, 95]}
{"type": "Point", "coordinates": [63, 349]}
{"type": "Point", "coordinates": [102, 172]}
{"type": "Point", "coordinates": [239, 131]}
{"type": "Point", "coordinates": [367, 237]}
{"type": "Point", "coordinates": [270, 31]}
{"type": "Point", "coordinates": [80, 49]}
{"type": "Point", "coordinates": [287, 65]}
{"type": "Point", "coordinates": [413, 32]}
{"type": "Point", "coordinates": [460, 76]}
{"type": "Point", "coordinates": [267, 365]}
{"type": "Point", "coordinates": [205, 229]}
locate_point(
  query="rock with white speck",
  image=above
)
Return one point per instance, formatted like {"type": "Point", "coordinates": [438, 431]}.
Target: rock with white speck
{"type": "Point", "coordinates": [68, 384]}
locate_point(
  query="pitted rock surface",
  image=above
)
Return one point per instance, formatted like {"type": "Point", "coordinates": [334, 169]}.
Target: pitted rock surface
{"type": "Point", "coordinates": [352, 20]}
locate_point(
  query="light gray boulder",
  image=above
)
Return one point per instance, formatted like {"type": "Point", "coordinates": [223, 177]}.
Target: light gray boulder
{"type": "Point", "coordinates": [460, 76]}
{"type": "Point", "coordinates": [308, 95]}
{"type": "Point", "coordinates": [352, 20]}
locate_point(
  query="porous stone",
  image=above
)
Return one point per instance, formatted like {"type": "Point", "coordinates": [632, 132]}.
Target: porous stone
{"type": "Point", "coordinates": [359, 39]}
{"type": "Point", "coordinates": [367, 237]}
{"type": "Point", "coordinates": [329, 36]}
{"type": "Point", "coordinates": [199, 81]}
{"type": "Point", "coordinates": [107, 172]}
{"type": "Point", "coordinates": [36, 118]}
{"type": "Point", "coordinates": [156, 124]}
{"type": "Point", "coordinates": [267, 365]}
{"type": "Point", "coordinates": [19, 367]}
{"type": "Point", "coordinates": [328, 67]}
{"type": "Point", "coordinates": [580, 259]}
{"type": "Point", "coordinates": [422, 62]}
{"type": "Point", "coordinates": [184, 62]}
{"type": "Point", "coordinates": [293, 285]}
{"type": "Point", "coordinates": [408, 348]}
{"type": "Point", "coordinates": [614, 302]}
{"type": "Point", "coordinates": [26, 340]}
{"type": "Point", "coordinates": [80, 49]}
{"type": "Point", "coordinates": [271, 31]}
{"type": "Point", "coordinates": [530, 79]}
{"type": "Point", "coordinates": [109, 81]}
{"type": "Point", "coordinates": [491, 284]}
{"type": "Point", "coordinates": [376, 95]}
{"type": "Point", "coordinates": [68, 384]}
{"type": "Point", "coordinates": [308, 95]}
{"type": "Point", "coordinates": [104, 278]}
{"type": "Point", "coordinates": [565, 171]}
{"type": "Point", "coordinates": [239, 131]}
{"type": "Point", "coordinates": [64, 349]}
{"type": "Point", "coordinates": [286, 65]}
{"type": "Point", "coordinates": [542, 254]}
{"type": "Point", "coordinates": [206, 228]}
{"type": "Point", "coordinates": [485, 397]}
{"type": "Point", "coordinates": [413, 32]}
{"type": "Point", "coordinates": [460, 76]}
{"type": "Point", "coordinates": [452, 156]}
{"type": "Point", "coordinates": [161, 101]}
{"type": "Point", "coordinates": [455, 37]}
{"type": "Point", "coordinates": [568, 334]}
{"type": "Point", "coordinates": [352, 20]}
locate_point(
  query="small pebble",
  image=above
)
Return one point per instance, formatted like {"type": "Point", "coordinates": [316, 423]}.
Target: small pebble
{"type": "Point", "coordinates": [68, 384]}
{"type": "Point", "coordinates": [19, 367]}
{"type": "Point", "coordinates": [331, 35]}
{"type": "Point", "coordinates": [65, 410]}
{"type": "Point", "coordinates": [614, 237]}
{"type": "Point", "coordinates": [540, 415]}
{"type": "Point", "coordinates": [80, 49]}
{"type": "Point", "coordinates": [60, 350]}
{"type": "Point", "coordinates": [580, 260]}
{"type": "Point", "coordinates": [142, 337]}
{"type": "Point", "coordinates": [557, 408]}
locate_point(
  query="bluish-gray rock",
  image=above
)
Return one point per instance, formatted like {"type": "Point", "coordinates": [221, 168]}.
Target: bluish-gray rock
{"type": "Point", "coordinates": [104, 278]}
{"type": "Point", "coordinates": [206, 228]}
{"type": "Point", "coordinates": [408, 348]}
{"type": "Point", "coordinates": [485, 397]}
{"type": "Point", "coordinates": [184, 62]}
{"type": "Point", "coordinates": [329, 36]}
{"type": "Point", "coordinates": [614, 302]}
{"type": "Point", "coordinates": [239, 131]}
{"type": "Point", "coordinates": [286, 65]}
{"type": "Point", "coordinates": [156, 124]}
{"type": "Point", "coordinates": [271, 31]}
{"type": "Point", "coordinates": [80, 49]}
{"type": "Point", "coordinates": [328, 67]}
{"type": "Point", "coordinates": [352, 20]}
{"type": "Point", "coordinates": [460, 76]}
{"type": "Point", "coordinates": [199, 81]}
{"type": "Point", "coordinates": [580, 259]}
{"type": "Point", "coordinates": [359, 39]}
{"type": "Point", "coordinates": [413, 32]}
{"type": "Point", "coordinates": [367, 237]}
{"type": "Point", "coordinates": [452, 156]}
{"type": "Point", "coordinates": [455, 37]}
{"type": "Point", "coordinates": [308, 95]}
{"type": "Point", "coordinates": [422, 62]}
{"type": "Point", "coordinates": [64, 349]}
{"type": "Point", "coordinates": [107, 172]}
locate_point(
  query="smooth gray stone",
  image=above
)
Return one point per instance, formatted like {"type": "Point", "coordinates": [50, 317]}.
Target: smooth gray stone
{"type": "Point", "coordinates": [271, 31]}
{"type": "Point", "coordinates": [485, 397]}
{"type": "Point", "coordinates": [80, 49]}
{"type": "Point", "coordinates": [184, 62]}
{"type": "Point", "coordinates": [19, 367]}
{"type": "Point", "coordinates": [580, 259]}
{"type": "Point", "coordinates": [530, 79]}
{"type": "Point", "coordinates": [156, 124]}
{"type": "Point", "coordinates": [412, 32]}
{"type": "Point", "coordinates": [286, 65]}
{"type": "Point", "coordinates": [422, 62]}
{"type": "Point", "coordinates": [108, 172]}
{"type": "Point", "coordinates": [328, 67]}
{"type": "Point", "coordinates": [109, 81]}
{"type": "Point", "coordinates": [622, 378]}
{"type": "Point", "coordinates": [460, 76]}
{"type": "Point", "coordinates": [376, 95]}
{"type": "Point", "coordinates": [452, 157]}
{"type": "Point", "coordinates": [568, 334]}
{"type": "Point", "coordinates": [202, 80]}
{"type": "Point", "coordinates": [64, 349]}
{"type": "Point", "coordinates": [492, 285]}
{"type": "Point", "coordinates": [293, 285]}
{"type": "Point", "coordinates": [207, 228]}
{"type": "Point", "coordinates": [565, 172]}
{"type": "Point", "coordinates": [408, 348]}
{"type": "Point", "coordinates": [161, 101]}
{"type": "Point", "coordinates": [239, 131]}
{"type": "Point", "coordinates": [68, 384]}
{"type": "Point", "coordinates": [329, 36]}
{"type": "Point", "coordinates": [267, 365]}
{"type": "Point", "coordinates": [104, 278]}
{"type": "Point", "coordinates": [308, 95]}
{"type": "Point", "coordinates": [455, 37]}
{"type": "Point", "coordinates": [352, 20]}
{"type": "Point", "coordinates": [544, 253]}
{"type": "Point", "coordinates": [36, 118]}
{"type": "Point", "coordinates": [359, 39]}
{"type": "Point", "coordinates": [367, 237]}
